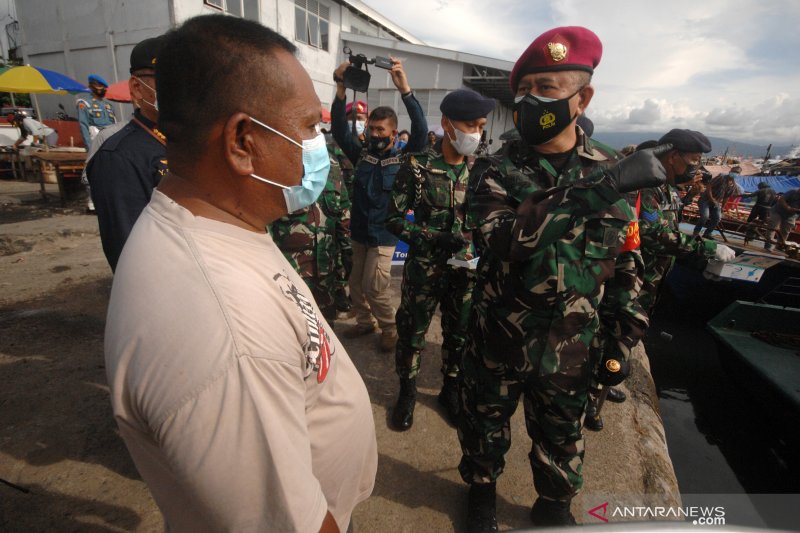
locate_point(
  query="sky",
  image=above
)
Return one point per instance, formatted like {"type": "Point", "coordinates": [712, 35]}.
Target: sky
{"type": "Point", "coordinates": [728, 68]}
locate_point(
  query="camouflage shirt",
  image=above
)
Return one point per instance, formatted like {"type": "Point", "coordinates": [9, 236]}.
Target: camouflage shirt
{"type": "Point", "coordinates": [662, 239]}
{"type": "Point", "coordinates": [311, 238]}
{"type": "Point", "coordinates": [547, 255]}
{"type": "Point", "coordinates": [436, 192]}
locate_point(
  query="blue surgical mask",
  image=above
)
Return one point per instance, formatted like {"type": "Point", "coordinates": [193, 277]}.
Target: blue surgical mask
{"type": "Point", "coordinates": [359, 126]}
{"type": "Point", "coordinates": [316, 164]}
{"type": "Point", "coordinates": [400, 144]}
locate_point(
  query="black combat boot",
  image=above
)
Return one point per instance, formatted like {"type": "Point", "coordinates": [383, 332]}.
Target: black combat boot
{"type": "Point", "coordinates": [615, 395]}
{"type": "Point", "coordinates": [481, 511]}
{"type": "Point", "coordinates": [403, 414]}
{"type": "Point", "coordinates": [448, 398]}
{"type": "Point", "coordinates": [342, 301]}
{"type": "Point", "coordinates": [593, 420]}
{"type": "Point", "coordinates": [547, 513]}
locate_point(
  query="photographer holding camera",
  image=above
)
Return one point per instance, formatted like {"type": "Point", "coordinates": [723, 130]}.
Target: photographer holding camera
{"type": "Point", "coordinates": [377, 161]}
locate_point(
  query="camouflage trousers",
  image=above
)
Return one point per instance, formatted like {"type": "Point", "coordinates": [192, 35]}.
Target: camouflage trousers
{"type": "Point", "coordinates": [653, 278]}
{"type": "Point", "coordinates": [554, 408]}
{"type": "Point", "coordinates": [324, 291]}
{"type": "Point", "coordinates": [426, 284]}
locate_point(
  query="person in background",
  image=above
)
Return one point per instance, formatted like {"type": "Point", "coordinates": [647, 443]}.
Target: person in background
{"type": "Point", "coordinates": [720, 190]}
{"type": "Point", "coordinates": [662, 241]}
{"type": "Point", "coordinates": [240, 407]}
{"type": "Point", "coordinates": [315, 239]}
{"type": "Point", "coordinates": [127, 167]}
{"type": "Point", "coordinates": [402, 138]}
{"type": "Point", "coordinates": [432, 138]}
{"type": "Point", "coordinates": [765, 199]}
{"type": "Point", "coordinates": [783, 216]}
{"type": "Point", "coordinates": [29, 126]}
{"type": "Point", "coordinates": [95, 113]}
{"type": "Point", "coordinates": [433, 184]}
{"type": "Point", "coordinates": [377, 160]}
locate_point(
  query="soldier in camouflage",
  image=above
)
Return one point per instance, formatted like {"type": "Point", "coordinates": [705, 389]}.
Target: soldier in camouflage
{"type": "Point", "coordinates": [547, 254]}
{"type": "Point", "coordinates": [662, 239]}
{"type": "Point", "coordinates": [314, 239]}
{"type": "Point", "coordinates": [433, 185]}
{"type": "Point", "coordinates": [345, 262]}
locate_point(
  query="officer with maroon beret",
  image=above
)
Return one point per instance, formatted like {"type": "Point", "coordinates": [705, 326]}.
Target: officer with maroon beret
{"type": "Point", "coordinates": [539, 286]}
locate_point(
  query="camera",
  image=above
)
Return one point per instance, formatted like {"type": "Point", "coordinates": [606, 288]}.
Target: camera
{"type": "Point", "coordinates": [357, 75]}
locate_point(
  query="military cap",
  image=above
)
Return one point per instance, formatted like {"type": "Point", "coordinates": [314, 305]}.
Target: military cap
{"type": "Point", "coordinates": [464, 104]}
{"type": "Point", "coordinates": [686, 141]}
{"type": "Point", "coordinates": [97, 78]}
{"type": "Point", "coordinates": [564, 48]}
{"type": "Point", "coordinates": [361, 107]}
{"type": "Point", "coordinates": [145, 53]}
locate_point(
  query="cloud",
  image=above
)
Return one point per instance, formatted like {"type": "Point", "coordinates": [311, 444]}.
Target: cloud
{"type": "Point", "coordinates": [721, 66]}
{"type": "Point", "coordinates": [649, 113]}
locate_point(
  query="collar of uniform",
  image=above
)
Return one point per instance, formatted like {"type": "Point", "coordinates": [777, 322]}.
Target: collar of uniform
{"type": "Point", "coordinates": [585, 148]}
{"type": "Point", "coordinates": [144, 120]}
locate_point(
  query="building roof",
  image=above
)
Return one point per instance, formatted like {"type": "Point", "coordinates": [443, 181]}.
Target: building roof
{"type": "Point", "coordinates": [488, 76]}
{"type": "Point", "coordinates": [363, 10]}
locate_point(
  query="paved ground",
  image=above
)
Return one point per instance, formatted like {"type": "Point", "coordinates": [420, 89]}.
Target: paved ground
{"type": "Point", "coordinates": [60, 449]}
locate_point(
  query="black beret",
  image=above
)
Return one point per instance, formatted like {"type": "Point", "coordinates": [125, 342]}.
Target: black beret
{"type": "Point", "coordinates": [145, 53]}
{"type": "Point", "coordinates": [464, 104]}
{"type": "Point", "coordinates": [687, 141]}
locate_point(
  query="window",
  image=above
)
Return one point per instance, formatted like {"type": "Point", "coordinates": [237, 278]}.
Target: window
{"type": "Point", "coordinates": [312, 23]}
{"type": "Point", "coordinates": [238, 8]}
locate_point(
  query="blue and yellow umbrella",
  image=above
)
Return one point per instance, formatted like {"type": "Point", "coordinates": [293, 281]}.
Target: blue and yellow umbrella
{"type": "Point", "coordinates": [28, 79]}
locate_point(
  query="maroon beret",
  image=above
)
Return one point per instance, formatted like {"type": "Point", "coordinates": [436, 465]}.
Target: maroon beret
{"type": "Point", "coordinates": [564, 48]}
{"type": "Point", "coordinates": [361, 107]}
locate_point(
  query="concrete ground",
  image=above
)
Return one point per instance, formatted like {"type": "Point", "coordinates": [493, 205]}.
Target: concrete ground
{"type": "Point", "coordinates": [65, 467]}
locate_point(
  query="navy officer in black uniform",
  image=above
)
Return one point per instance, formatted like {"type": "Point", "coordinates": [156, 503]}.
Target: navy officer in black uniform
{"type": "Point", "coordinates": [129, 165]}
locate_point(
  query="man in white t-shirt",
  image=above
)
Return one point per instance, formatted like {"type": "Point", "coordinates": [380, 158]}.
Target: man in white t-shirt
{"type": "Point", "coordinates": [29, 126]}
{"type": "Point", "coordinates": [240, 408]}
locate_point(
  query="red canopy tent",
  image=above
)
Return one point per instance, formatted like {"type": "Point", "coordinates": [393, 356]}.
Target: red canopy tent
{"type": "Point", "coordinates": [118, 92]}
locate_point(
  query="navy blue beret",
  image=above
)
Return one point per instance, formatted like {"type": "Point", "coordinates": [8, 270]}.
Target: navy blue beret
{"type": "Point", "coordinates": [687, 141]}
{"type": "Point", "coordinates": [464, 104]}
{"type": "Point", "coordinates": [97, 78]}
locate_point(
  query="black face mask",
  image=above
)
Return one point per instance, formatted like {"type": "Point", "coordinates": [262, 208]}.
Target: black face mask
{"type": "Point", "coordinates": [691, 170]}
{"type": "Point", "coordinates": [379, 144]}
{"type": "Point", "coordinates": [539, 120]}
{"type": "Point", "coordinates": [100, 92]}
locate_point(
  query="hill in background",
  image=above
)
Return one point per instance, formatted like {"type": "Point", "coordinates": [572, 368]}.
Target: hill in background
{"type": "Point", "coordinates": [718, 145]}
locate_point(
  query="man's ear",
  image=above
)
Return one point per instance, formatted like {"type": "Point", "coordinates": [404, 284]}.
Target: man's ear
{"type": "Point", "coordinates": [136, 94]}
{"type": "Point", "coordinates": [585, 95]}
{"type": "Point", "coordinates": [239, 143]}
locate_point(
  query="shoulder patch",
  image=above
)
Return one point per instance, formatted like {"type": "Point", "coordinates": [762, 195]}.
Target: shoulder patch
{"type": "Point", "coordinates": [650, 216]}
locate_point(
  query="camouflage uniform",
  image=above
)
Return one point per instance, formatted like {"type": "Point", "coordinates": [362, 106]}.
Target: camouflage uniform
{"type": "Point", "coordinates": [345, 262]}
{"type": "Point", "coordinates": [311, 239]}
{"type": "Point", "coordinates": [540, 283]}
{"type": "Point", "coordinates": [662, 241]}
{"type": "Point", "coordinates": [436, 192]}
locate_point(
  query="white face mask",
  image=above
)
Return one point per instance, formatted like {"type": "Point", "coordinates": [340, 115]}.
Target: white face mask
{"type": "Point", "coordinates": [359, 126]}
{"type": "Point", "coordinates": [464, 143]}
{"type": "Point", "coordinates": [153, 104]}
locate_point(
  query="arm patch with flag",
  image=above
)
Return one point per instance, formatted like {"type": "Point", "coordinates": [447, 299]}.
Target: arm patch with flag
{"type": "Point", "coordinates": [632, 239]}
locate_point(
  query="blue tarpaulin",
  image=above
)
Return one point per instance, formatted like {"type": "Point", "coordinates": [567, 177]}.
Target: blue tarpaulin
{"type": "Point", "coordinates": [781, 184]}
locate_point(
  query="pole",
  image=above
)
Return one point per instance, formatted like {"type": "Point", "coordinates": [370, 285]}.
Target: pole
{"type": "Point", "coordinates": [39, 115]}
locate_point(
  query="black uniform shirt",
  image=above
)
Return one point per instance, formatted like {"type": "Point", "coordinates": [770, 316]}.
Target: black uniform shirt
{"type": "Point", "coordinates": [122, 175]}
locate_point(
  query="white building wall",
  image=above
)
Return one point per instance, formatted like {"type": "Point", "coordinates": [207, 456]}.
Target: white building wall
{"type": "Point", "coordinates": [80, 37]}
